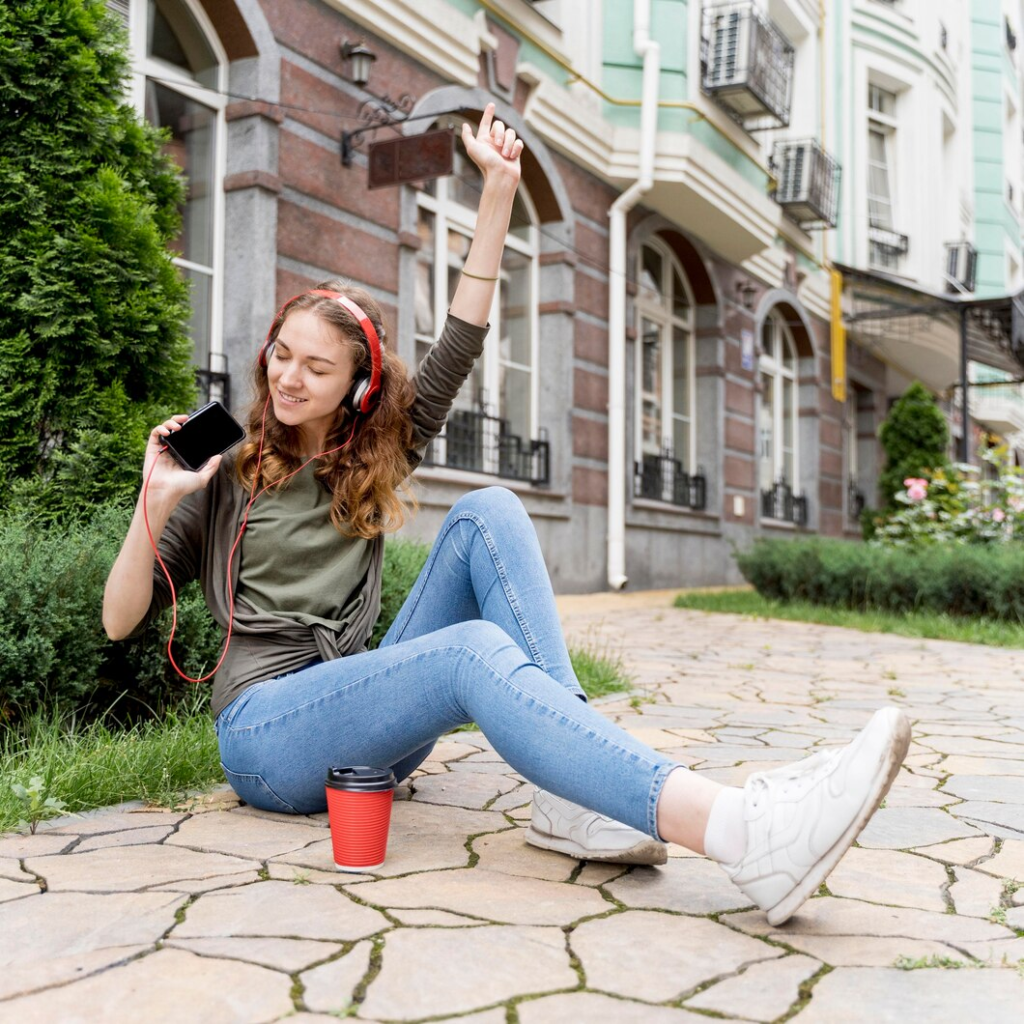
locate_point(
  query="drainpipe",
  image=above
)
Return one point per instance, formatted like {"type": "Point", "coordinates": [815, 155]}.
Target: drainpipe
{"type": "Point", "coordinates": [650, 52]}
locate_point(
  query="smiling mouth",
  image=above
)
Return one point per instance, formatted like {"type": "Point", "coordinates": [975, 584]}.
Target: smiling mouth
{"type": "Point", "coordinates": [289, 399]}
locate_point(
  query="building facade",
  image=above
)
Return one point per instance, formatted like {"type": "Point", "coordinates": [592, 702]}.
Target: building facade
{"type": "Point", "coordinates": [666, 376]}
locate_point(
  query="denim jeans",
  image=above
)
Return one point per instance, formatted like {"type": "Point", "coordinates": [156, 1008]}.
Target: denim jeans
{"type": "Point", "coordinates": [477, 640]}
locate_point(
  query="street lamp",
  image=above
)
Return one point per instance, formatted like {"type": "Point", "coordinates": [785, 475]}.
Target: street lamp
{"type": "Point", "coordinates": [361, 57]}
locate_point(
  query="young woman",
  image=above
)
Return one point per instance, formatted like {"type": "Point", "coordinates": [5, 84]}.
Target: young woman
{"type": "Point", "coordinates": [335, 430]}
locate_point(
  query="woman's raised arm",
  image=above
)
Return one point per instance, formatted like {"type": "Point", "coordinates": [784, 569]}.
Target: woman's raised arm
{"type": "Point", "coordinates": [496, 151]}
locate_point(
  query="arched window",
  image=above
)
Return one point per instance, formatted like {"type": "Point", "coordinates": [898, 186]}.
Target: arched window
{"type": "Point", "coordinates": [495, 415]}
{"type": "Point", "coordinates": [179, 81]}
{"type": "Point", "coordinates": [777, 422]}
{"type": "Point", "coordinates": [665, 429]}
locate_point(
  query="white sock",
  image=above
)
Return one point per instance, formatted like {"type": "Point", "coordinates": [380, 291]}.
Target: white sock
{"type": "Point", "coordinates": [725, 838]}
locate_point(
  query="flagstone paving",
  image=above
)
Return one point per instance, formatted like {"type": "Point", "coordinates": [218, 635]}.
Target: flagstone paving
{"type": "Point", "coordinates": [218, 912]}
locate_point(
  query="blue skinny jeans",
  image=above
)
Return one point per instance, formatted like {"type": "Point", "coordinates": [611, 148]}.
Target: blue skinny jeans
{"type": "Point", "coordinates": [477, 640]}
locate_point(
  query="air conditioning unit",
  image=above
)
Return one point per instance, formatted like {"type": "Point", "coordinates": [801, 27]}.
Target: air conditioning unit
{"type": "Point", "coordinates": [747, 65]}
{"type": "Point", "coordinates": [808, 183]}
{"type": "Point", "coordinates": [961, 264]}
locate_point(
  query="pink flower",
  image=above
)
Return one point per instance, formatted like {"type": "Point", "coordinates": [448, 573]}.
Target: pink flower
{"type": "Point", "coordinates": [998, 515]}
{"type": "Point", "coordinates": [917, 489]}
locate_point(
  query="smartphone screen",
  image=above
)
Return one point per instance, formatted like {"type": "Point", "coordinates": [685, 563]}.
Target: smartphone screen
{"type": "Point", "coordinates": [209, 431]}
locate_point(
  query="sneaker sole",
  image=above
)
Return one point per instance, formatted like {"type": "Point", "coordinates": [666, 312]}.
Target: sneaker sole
{"type": "Point", "coordinates": [810, 883]}
{"type": "Point", "coordinates": [650, 852]}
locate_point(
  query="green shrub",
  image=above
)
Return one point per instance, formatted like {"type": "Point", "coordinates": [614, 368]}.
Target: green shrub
{"type": "Point", "coordinates": [962, 580]}
{"type": "Point", "coordinates": [94, 346]}
{"type": "Point", "coordinates": [54, 652]}
{"type": "Point", "coordinates": [915, 437]}
{"type": "Point", "coordinates": [403, 560]}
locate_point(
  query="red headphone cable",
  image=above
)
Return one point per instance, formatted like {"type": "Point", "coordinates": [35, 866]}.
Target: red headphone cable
{"type": "Point", "coordinates": [245, 519]}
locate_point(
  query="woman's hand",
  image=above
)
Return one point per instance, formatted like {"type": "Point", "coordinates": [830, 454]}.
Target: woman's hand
{"type": "Point", "coordinates": [494, 148]}
{"type": "Point", "coordinates": [167, 479]}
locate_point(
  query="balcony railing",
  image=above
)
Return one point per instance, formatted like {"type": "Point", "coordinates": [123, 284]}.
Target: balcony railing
{"type": "Point", "coordinates": [855, 501]}
{"type": "Point", "coordinates": [808, 178]}
{"type": "Point", "coordinates": [886, 248]}
{"type": "Point", "coordinates": [779, 502]}
{"type": "Point", "coordinates": [480, 443]}
{"type": "Point", "coordinates": [662, 478]}
{"type": "Point", "coordinates": [747, 65]}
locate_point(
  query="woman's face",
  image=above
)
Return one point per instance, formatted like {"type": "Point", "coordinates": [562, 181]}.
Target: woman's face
{"type": "Point", "coordinates": [310, 372]}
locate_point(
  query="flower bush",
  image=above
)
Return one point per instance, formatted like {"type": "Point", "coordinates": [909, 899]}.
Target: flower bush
{"type": "Point", "coordinates": [961, 505]}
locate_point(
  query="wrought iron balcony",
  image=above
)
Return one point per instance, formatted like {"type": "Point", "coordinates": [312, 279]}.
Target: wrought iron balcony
{"type": "Point", "coordinates": [779, 502]}
{"type": "Point", "coordinates": [855, 501]}
{"type": "Point", "coordinates": [662, 478]}
{"type": "Point", "coordinates": [476, 441]}
{"type": "Point", "coordinates": [808, 178]}
{"type": "Point", "coordinates": [961, 265]}
{"type": "Point", "coordinates": [886, 248]}
{"type": "Point", "coordinates": [747, 65]}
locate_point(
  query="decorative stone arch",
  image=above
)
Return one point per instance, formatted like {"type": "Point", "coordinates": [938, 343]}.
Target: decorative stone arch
{"type": "Point", "coordinates": [233, 27]}
{"type": "Point", "coordinates": [808, 410]}
{"type": "Point", "coordinates": [797, 320]}
{"type": "Point", "coordinates": [540, 176]}
{"type": "Point", "coordinates": [689, 253]}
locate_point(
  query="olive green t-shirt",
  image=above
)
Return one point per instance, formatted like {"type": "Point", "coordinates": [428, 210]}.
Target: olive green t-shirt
{"type": "Point", "coordinates": [294, 562]}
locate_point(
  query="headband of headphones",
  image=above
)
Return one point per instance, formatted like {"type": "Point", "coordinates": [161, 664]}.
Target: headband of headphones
{"type": "Point", "coordinates": [365, 388]}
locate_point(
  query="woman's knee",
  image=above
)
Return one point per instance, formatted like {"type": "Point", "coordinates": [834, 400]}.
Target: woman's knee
{"type": "Point", "coordinates": [491, 502]}
{"type": "Point", "coordinates": [484, 639]}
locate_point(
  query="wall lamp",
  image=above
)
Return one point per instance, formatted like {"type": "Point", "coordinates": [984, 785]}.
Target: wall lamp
{"type": "Point", "coordinates": [362, 59]}
{"type": "Point", "coordinates": [745, 291]}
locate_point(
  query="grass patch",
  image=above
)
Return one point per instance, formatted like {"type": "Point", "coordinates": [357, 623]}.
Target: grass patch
{"type": "Point", "coordinates": [599, 672]}
{"type": "Point", "coordinates": [930, 625]}
{"type": "Point", "coordinates": [93, 765]}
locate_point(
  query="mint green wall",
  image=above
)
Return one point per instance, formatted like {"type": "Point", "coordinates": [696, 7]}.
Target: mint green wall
{"type": "Point", "coordinates": [528, 52]}
{"type": "Point", "coordinates": [991, 71]}
{"type": "Point", "coordinates": [623, 74]}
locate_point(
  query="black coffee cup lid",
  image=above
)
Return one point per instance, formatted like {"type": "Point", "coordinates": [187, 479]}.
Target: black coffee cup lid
{"type": "Point", "coordinates": [361, 778]}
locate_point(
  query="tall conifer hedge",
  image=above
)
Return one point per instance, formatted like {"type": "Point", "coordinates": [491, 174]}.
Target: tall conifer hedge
{"type": "Point", "coordinates": [93, 345]}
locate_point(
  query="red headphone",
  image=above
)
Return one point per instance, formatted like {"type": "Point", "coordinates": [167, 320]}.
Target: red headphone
{"type": "Point", "coordinates": [365, 386]}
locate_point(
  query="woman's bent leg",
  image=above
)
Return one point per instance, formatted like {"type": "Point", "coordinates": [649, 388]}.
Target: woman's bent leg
{"type": "Point", "coordinates": [279, 737]}
{"type": "Point", "coordinates": [486, 563]}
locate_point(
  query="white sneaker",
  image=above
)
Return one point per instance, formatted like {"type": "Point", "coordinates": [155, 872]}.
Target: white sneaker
{"type": "Point", "coordinates": [801, 819]}
{"type": "Point", "coordinates": [560, 825]}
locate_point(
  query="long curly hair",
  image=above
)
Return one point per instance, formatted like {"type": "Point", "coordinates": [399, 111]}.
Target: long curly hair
{"type": "Point", "coordinates": [368, 476]}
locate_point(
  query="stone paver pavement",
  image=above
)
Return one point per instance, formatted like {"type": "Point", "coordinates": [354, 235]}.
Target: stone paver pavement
{"type": "Point", "coordinates": [217, 912]}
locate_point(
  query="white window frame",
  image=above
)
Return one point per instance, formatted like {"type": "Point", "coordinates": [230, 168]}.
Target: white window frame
{"type": "Point", "coordinates": [451, 215]}
{"type": "Point", "coordinates": [772, 365]}
{"type": "Point", "coordinates": [662, 314]}
{"type": "Point", "coordinates": [146, 67]}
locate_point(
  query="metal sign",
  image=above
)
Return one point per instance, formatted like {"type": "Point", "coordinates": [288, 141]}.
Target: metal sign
{"type": "Point", "coordinates": [411, 158]}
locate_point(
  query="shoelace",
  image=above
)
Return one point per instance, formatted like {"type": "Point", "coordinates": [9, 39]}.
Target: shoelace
{"type": "Point", "coordinates": [782, 779]}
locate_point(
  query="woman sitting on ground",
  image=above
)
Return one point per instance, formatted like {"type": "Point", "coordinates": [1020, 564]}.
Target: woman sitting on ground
{"type": "Point", "coordinates": [336, 429]}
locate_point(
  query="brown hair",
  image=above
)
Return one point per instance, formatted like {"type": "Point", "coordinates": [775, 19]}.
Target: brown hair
{"type": "Point", "coordinates": [364, 478]}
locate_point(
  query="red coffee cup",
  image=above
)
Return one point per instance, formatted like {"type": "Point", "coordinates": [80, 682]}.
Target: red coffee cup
{"type": "Point", "coordinates": [359, 812]}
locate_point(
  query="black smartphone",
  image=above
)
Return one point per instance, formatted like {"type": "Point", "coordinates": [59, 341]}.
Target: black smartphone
{"type": "Point", "coordinates": [209, 431]}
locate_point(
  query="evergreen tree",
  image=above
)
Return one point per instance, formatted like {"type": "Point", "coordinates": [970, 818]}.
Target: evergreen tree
{"type": "Point", "coordinates": [93, 343]}
{"type": "Point", "coordinates": [915, 437]}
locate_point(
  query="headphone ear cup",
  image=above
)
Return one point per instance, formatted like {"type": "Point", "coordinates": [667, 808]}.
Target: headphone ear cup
{"type": "Point", "coordinates": [360, 389]}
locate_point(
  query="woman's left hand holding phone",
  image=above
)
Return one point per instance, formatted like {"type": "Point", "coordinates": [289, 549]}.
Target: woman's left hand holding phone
{"type": "Point", "coordinates": [169, 479]}
{"type": "Point", "coordinates": [129, 588]}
